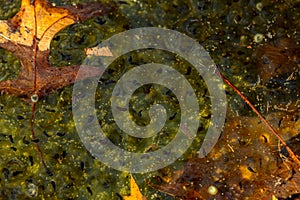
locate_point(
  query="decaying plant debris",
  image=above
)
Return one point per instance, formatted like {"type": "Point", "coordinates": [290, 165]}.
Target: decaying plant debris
{"type": "Point", "coordinates": [248, 162]}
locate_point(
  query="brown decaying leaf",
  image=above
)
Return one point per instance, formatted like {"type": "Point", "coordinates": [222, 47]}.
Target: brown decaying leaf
{"type": "Point", "coordinates": [277, 58]}
{"type": "Point", "coordinates": [247, 162]}
{"type": "Point", "coordinates": [28, 35]}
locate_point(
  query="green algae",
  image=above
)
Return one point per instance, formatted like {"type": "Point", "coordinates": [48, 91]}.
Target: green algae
{"type": "Point", "coordinates": [9, 66]}
{"type": "Point", "coordinates": [9, 8]}
{"type": "Point", "coordinates": [223, 28]}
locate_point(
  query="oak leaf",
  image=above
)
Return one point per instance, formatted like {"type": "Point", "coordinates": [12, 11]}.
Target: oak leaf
{"type": "Point", "coordinates": [28, 35]}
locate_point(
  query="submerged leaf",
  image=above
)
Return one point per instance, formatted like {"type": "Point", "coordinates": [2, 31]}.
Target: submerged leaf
{"type": "Point", "coordinates": [28, 35]}
{"type": "Point", "coordinates": [247, 162]}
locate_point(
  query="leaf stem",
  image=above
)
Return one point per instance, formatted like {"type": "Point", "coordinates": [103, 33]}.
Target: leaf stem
{"type": "Point", "coordinates": [36, 140]}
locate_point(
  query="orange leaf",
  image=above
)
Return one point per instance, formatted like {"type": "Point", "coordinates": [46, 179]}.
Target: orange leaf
{"type": "Point", "coordinates": [28, 35]}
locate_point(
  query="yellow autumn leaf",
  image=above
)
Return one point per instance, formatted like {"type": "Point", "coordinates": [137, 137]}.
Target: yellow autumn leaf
{"type": "Point", "coordinates": [96, 51]}
{"type": "Point", "coordinates": [135, 193]}
{"type": "Point", "coordinates": [40, 20]}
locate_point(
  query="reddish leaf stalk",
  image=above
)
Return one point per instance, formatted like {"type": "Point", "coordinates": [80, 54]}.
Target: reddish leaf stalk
{"type": "Point", "coordinates": [35, 46]}
{"type": "Point", "coordinates": [36, 140]}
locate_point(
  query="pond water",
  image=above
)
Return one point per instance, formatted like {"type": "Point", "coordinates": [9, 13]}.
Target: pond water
{"type": "Point", "coordinates": [254, 44]}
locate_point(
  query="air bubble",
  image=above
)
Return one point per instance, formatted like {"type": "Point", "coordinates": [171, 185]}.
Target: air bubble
{"type": "Point", "coordinates": [32, 190]}
{"type": "Point", "coordinates": [259, 6]}
{"type": "Point", "coordinates": [258, 38]}
{"type": "Point", "coordinates": [34, 98]}
{"type": "Point", "coordinates": [212, 190]}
